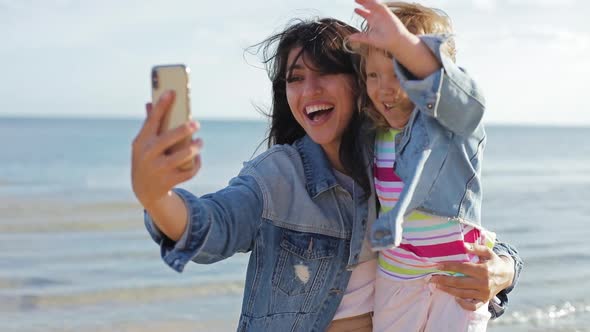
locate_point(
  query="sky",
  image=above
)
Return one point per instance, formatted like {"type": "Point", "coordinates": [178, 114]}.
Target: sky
{"type": "Point", "coordinates": [93, 58]}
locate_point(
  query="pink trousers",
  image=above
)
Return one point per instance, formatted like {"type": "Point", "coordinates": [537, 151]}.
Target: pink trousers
{"type": "Point", "coordinates": [419, 306]}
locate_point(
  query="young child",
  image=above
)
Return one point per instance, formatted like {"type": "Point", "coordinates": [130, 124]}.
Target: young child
{"type": "Point", "coordinates": [427, 171]}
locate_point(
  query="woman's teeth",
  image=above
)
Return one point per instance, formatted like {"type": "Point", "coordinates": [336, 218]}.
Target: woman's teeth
{"type": "Point", "coordinates": [316, 108]}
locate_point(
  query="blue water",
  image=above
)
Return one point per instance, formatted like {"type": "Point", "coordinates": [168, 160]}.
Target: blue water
{"type": "Point", "coordinates": [74, 255]}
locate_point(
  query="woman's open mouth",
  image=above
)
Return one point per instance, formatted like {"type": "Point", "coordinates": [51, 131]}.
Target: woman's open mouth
{"type": "Point", "coordinates": [316, 113]}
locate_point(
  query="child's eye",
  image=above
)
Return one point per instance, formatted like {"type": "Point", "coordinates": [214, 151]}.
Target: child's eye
{"type": "Point", "coordinates": [372, 75]}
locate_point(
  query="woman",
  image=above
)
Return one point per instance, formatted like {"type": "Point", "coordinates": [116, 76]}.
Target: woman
{"type": "Point", "coordinates": [301, 207]}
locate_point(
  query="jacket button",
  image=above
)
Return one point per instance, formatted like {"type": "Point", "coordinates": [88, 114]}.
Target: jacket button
{"type": "Point", "coordinates": [364, 222]}
{"type": "Point", "coordinates": [429, 106]}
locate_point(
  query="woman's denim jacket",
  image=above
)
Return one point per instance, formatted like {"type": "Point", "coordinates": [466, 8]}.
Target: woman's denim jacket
{"type": "Point", "coordinates": [303, 229]}
{"type": "Point", "coordinates": [439, 152]}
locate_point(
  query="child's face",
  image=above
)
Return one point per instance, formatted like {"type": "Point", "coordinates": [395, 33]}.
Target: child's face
{"type": "Point", "coordinates": [384, 90]}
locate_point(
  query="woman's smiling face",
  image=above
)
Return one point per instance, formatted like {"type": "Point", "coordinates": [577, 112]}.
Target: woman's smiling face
{"type": "Point", "coordinates": [322, 103]}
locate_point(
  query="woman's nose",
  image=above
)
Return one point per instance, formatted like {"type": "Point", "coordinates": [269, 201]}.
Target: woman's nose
{"type": "Point", "coordinates": [312, 86]}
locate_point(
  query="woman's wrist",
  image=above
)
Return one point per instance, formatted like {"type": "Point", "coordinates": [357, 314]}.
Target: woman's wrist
{"type": "Point", "coordinates": [169, 213]}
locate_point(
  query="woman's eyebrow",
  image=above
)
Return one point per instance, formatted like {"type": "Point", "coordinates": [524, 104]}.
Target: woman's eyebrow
{"type": "Point", "coordinates": [295, 66]}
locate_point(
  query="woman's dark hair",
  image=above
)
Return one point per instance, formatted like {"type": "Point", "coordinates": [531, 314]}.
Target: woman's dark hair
{"type": "Point", "coordinates": [322, 42]}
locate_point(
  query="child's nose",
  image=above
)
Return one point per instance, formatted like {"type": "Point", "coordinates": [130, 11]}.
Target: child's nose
{"type": "Point", "coordinates": [387, 88]}
{"type": "Point", "coordinates": [388, 84]}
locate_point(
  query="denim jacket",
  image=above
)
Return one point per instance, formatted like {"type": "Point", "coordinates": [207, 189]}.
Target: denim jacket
{"type": "Point", "coordinates": [303, 229]}
{"type": "Point", "coordinates": [287, 209]}
{"type": "Point", "coordinates": [439, 152]}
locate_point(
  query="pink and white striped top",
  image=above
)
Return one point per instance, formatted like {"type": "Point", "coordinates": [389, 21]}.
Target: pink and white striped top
{"type": "Point", "coordinates": [426, 239]}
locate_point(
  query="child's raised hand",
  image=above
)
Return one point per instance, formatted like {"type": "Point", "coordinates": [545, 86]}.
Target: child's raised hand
{"type": "Point", "coordinates": [384, 28]}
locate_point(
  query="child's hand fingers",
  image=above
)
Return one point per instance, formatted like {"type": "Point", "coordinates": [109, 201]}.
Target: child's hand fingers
{"type": "Point", "coordinates": [368, 3]}
{"type": "Point", "coordinates": [359, 38]}
{"type": "Point", "coordinates": [362, 13]}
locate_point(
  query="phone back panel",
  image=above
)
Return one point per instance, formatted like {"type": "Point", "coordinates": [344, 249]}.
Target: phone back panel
{"type": "Point", "coordinates": [172, 77]}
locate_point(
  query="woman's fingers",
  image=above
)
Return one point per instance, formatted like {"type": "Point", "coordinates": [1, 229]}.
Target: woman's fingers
{"type": "Point", "coordinates": [184, 155]}
{"type": "Point", "coordinates": [465, 268]}
{"type": "Point", "coordinates": [460, 293]}
{"type": "Point", "coordinates": [484, 253]}
{"type": "Point", "coordinates": [470, 304]}
{"type": "Point", "coordinates": [158, 111]}
{"type": "Point", "coordinates": [479, 281]}
{"type": "Point", "coordinates": [455, 282]}
{"type": "Point", "coordinates": [170, 138]}
{"type": "Point", "coordinates": [465, 287]}
{"type": "Point", "coordinates": [155, 113]}
{"type": "Point", "coordinates": [182, 176]}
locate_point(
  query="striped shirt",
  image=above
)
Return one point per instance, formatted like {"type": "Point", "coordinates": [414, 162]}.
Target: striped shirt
{"type": "Point", "coordinates": [426, 239]}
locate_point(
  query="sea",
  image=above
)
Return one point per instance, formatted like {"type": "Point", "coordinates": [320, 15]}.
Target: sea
{"type": "Point", "coordinates": [74, 254]}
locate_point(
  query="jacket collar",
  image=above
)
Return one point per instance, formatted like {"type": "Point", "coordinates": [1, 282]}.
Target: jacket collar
{"type": "Point", "coordinates": [319, 176]}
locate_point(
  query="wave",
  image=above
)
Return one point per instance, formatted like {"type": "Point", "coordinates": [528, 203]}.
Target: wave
{"type": "Point", "coordinates": [544, 316]}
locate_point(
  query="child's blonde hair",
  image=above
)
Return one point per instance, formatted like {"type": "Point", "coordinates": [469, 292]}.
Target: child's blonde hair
{"type": "Point", "coordinates": [419, 20]}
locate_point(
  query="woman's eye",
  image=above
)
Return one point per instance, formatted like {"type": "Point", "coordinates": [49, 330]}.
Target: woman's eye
{"type": "Point", "coordinates": [372, 75]}
{"type": "Point", "coordinates": [294, 78]}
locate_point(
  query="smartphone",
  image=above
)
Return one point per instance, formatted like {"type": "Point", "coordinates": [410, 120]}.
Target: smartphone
{"type": "Point", "coordinates": [173, 77]}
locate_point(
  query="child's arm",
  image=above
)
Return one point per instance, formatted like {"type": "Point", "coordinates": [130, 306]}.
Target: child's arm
{"type": "Point", "coordinates": [388, 33]}
{"type": "Point", "coordinates": [448, 94]}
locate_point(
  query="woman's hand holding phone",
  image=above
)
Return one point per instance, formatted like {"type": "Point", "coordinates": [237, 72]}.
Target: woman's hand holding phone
{"type": "Point", "coordinates": [154, 172]}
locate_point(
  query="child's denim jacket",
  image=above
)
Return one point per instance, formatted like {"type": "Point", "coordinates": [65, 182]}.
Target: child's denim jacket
{"type": "Point", "coordinates": [439, 152]}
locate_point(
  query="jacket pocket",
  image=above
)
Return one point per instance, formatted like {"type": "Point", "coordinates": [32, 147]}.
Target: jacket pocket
{"type": "Point", "coordinates": [303, 261]}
